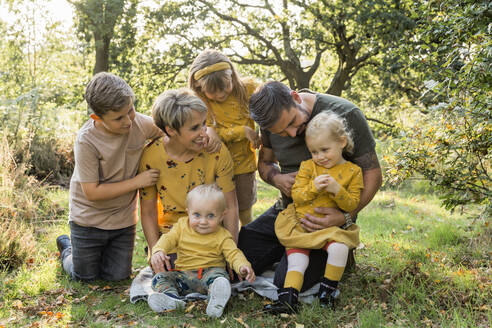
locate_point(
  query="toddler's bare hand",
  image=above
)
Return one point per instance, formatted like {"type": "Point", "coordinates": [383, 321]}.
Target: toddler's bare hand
{"type": "Point", "coordinates": [247, 273]}
{"type": "Point", "coordinates": [160, 262]}
{"type": "Point", "coordinates": [321, 181]}
{"type": "Point", "coordinates": [332, 185]}
{"type": "Point", "coordinates": [147, 178]}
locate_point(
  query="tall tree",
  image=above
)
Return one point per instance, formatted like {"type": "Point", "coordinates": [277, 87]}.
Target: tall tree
{"type": "Point", "coordinates": [291, 38]}
{"type": "Point", "coordinates": [98, 21]}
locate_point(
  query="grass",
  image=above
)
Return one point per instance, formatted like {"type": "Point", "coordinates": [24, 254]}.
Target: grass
{"type": "Point", "coordinates": [420, 266]}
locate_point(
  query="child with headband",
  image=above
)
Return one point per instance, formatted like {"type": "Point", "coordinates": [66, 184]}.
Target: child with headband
{"type": "Point", "coordinates": [214, 79]}
{"type": "Point", "coordinates": [326, 180]}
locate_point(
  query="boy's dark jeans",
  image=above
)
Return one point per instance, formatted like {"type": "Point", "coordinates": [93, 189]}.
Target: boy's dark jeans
{"type": "Point", "coordinates": [261, 247]}
{"type": "Point", "coordinates": [98, 253]}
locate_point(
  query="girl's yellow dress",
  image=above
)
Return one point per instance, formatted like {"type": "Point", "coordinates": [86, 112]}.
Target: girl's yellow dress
{"type": "Point", "coordinates": [306, 197]}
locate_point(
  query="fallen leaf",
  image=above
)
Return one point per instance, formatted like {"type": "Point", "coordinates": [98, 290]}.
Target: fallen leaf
{"type": "Point", "coordinates": [240, 320]}
{"type": "Point", "coordinates": [189, 308]}
{"type": "Point", "coordinates": [60, 299]}
{"type": "Point", "coordinates": [17, 304]}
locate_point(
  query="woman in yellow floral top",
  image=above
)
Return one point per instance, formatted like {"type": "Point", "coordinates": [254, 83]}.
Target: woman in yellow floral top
{"type": "Point", "coordinates": [215, 80]}
{"type": "Point", "coordinates": [326, 180]}
{"type": "Point", "coordinates": [183, 162]}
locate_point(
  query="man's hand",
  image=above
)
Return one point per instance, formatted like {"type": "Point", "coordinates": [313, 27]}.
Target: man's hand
{"type": "Point", "coordinates": [332, 217]}
{"type": "Point", "coordinates": [213, 143]}
{"type": "Point", "coordinates": [247, 273]}
{"type": "Point", "coordinates": [253, 137]}
{"type": "Point", "coordinates": [160, 262]}
{"type": "Point", "coordinates": [284, 182]}
{"type": "Point", "coordinates": [147, 178]}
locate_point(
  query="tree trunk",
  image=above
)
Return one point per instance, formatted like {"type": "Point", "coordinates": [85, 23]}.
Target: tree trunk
{"type": "Point", "coordinates": [339, 81]}
{"type": "Point", "coordinates": [102, 53]}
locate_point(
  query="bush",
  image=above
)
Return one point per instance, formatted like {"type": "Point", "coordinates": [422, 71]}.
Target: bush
{"type": "Point", "coordinates": [24, 203]}
{"type": "Point", "coordinates": [51, 161]}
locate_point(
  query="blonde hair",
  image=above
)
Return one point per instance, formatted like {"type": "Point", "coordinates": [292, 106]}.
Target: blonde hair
{"type": "Point", "coordinates": [217, 80]}
{"type": "Point", "coordinates": [334, 125]}
{"type": "Point", "coordinates": [173, 108]}
{"type": "Point", "coordinates": [210, 192]}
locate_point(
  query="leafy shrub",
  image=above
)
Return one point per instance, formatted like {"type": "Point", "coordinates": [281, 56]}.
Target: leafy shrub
{"type": "Point", "coordinates": [450, 143]}
{"type": "Point", "coordinates": [24, 203]}
{"type": "Point", "coordinates": [51, 161]}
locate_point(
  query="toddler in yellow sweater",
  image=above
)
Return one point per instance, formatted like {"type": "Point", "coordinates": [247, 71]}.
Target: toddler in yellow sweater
{"type": "Point", "coordinates": [203, 246]}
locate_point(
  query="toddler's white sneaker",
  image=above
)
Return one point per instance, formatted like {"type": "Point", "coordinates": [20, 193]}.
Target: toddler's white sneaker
{"type": "Point", "coordinates": [220, 292]}
{"type": "Point", "coordinates": [160, 302]}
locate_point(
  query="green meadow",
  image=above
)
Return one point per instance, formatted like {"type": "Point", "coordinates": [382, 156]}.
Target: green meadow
{"type": "Point", "coordinates": [419, 266]}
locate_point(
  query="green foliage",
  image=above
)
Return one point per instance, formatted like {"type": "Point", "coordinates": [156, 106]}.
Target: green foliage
{"type": "Point", "coordinates": [103, 21]}
{"type": "Point", "coordinates": [289, 40]}
{"type": "Point", "coordinates": [41, 83]}
{"type": "Point", "coordinates": [24, 201]}
{"type": "Point", "coordinates": [449, 143]}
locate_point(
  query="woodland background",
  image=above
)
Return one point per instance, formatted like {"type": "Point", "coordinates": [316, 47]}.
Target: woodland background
{"type": "Point", "coordinates": [419, 70]}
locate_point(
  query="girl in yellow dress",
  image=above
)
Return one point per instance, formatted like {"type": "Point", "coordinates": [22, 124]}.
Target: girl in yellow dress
{"type": "Point", "coordinates": [326, 180]}
{"type": "Point", "coordinates": [214, 79]}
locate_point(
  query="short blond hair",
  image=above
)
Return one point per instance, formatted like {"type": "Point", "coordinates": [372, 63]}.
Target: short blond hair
{"type": "Point", "coordinates": [334, 125]}
{"type": "Point", "coordinates": [173, 108]}
{"type": "Point", "coordinates": [210, 192]}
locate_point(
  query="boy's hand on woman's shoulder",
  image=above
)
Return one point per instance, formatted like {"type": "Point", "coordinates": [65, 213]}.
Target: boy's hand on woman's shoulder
{"type": "Point", "coordinates": [147, 178]}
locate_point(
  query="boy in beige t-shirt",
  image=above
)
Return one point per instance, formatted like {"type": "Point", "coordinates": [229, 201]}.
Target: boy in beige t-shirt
{"type": "Point", "coordinates": [104, 184]}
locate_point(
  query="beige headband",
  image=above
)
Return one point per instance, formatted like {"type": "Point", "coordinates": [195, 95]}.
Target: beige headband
{"type": "Point", "coordinates": [220, 66]}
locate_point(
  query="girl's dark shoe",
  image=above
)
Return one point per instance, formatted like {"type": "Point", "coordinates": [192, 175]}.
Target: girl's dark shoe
{"type": "Point", "coordinates": [327, 295]}
{"type": "Point", "coordinates": [288, 302]}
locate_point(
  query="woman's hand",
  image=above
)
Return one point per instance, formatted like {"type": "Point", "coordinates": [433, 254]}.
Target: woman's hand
{"type": "Point", "coordinates": [253, 137]}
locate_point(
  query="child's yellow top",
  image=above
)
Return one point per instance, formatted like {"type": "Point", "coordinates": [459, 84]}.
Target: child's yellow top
{"type": "Point", "coordinates": [306, 197]}
{"type": "Point", "coordinates": [178, 178]}
{"type": "Point", "coordinates": [196, 250]}
{"type": "Point", "coordinates": [229, 118]}
{"type": "Point", "coordinates": [288, 227]}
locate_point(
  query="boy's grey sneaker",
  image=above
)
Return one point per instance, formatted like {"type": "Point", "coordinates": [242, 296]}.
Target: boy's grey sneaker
{"type": "Point", "coordinates": [220, 292]}
{"type": "Point", "coordinates": [63, 243]}
{"type": "Point", "coordinates": [160, 302]}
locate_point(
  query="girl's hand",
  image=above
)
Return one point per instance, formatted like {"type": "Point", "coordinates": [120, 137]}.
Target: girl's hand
{"type": "Point", "coordinates": [253, 137]}
{"type": "Point", "coordinates": [213, 143]}
{"type": "Point", "coordinates": [332, 185]}
{"type": "Point", "coordinates": [247, 272]}
{"type": "Point", "coordinates": [321, 181]}
{"type": "Point", "coordinates": [160, 262]}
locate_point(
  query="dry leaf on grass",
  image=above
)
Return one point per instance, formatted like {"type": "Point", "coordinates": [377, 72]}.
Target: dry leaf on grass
{"type": "Point", "coordinates": [241, 321]}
